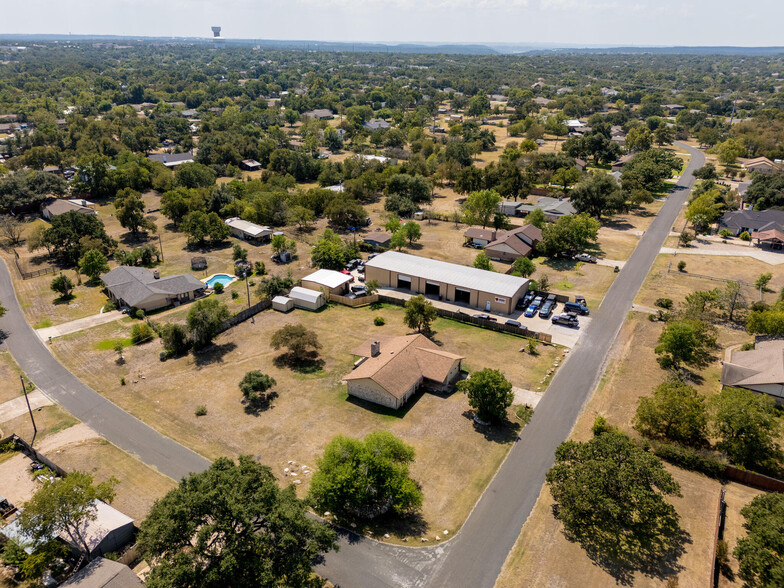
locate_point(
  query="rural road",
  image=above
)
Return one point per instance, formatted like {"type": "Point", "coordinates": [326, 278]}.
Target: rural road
{"type": "Point", "coordinates": [104, 417]}
{"type": "Point", "coordinates": [475, 556]}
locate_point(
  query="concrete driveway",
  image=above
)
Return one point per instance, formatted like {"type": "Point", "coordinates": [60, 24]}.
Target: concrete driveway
{"type": "Point", "coordinates": [78, 325]}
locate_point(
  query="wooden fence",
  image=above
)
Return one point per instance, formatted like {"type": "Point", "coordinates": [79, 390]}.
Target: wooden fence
{"type": "Point", "coordinates": [354, 302]}
{"type": "Point", "coordinates": [32, 453]}
{"type": "Point", "coordinates": [717, 536]}
{"type": "Point", "coordinates": [754, 479]}
{"type": "Point", "coordinates": [244, 315]}
{"type": "Point", "coordinates": [704, 277]}
{"type": "Point", "coordinates": [33, 274]}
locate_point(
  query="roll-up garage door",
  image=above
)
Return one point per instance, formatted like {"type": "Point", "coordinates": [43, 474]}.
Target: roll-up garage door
{"type": "Point", "coordinates": [404, 283]}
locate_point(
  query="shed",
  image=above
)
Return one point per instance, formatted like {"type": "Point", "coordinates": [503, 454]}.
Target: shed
{"type": "Point", "coordinates": [282, 303]}
{"type": "Point", "coordinates": [334, 282]}
{"type": "Point", "coordinates": [307, 299]}
{"type": "Point", "coordinates": [109, 532]}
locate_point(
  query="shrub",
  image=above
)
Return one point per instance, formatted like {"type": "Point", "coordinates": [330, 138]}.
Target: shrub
{"type": "Point", "coordinates": [681, 266]}
{"type": "Point", "coordinates": [600, 425]}
{"type": "Point", "coordinates": [175, 339]}
{"type": "Point", "coordinates": [137, 313]}
{"type": "Point", "coordinates": [218, 287]}
{"type": "Point", "coordinates": [201, 410]}
{"type": "Point", "coordinates": [122, 381]}
{"type": "Point", "coordinates": [747, 346]}
{"type": "Point", "coordinates": [665, 303]}
{"type": "Point", "coordinates": [379, 321]}
{"type": "Point", "coordinates": [259, 268]}
{"type": "Point", "coordinates": [234, 295]}
{"type": "Point", "coordinates": [142, 333]}
{"type": "Point", "coordinates": [524, 413]}
{"type": "Point", "coordinates": [744, 236]}
{"type": "Point", "coordinates": [686, 238]}
{"type": "Point", "coordinates": [533, 344]}
{"type": "Point", "coordinates": [722, 554]}
{"type": "Point", "coordinates": [109, 306]}
{"type": "Point", "coordinates": [690, 459]}
{"type": "Point", "coordinates": [725, 233]}
{"type": "Point", "coordinates": [163, 355]}
{"type": "Point", "coordinates": [254, 386]}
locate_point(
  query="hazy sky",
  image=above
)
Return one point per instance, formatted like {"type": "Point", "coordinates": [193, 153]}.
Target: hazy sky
{"type": "Point", "coordinates": [566, 22]}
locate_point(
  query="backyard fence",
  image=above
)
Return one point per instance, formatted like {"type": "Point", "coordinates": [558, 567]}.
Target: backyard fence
{"type": "Point", "coordinates": [754, 479]}
{"type": "Point", "coordinates": [33, 274]}
{"type": "Point", "coordinates": [704, 277]}
{"type": "Point", "coordinates": [244, 315]}
{"type": "Point", "coordinates": [32, 453]}
{"type": "Point", "coordinates": [354, 302]}
{"type": "Point", "coordinates": [718, 536]}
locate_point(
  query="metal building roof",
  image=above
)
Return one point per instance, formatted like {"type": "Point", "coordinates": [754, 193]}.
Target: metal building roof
{"type": "Point", "coordinates": [328, 278]}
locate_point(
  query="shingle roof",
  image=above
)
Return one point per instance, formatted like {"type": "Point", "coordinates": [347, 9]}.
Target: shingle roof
{"type": "Point", "coordinates": [59, 206]}
{"type": "Point", "coordinates": [401, 363]}
{"type": "Point", "coordinates": [762, 365]}
{"type": "Point", "coordinates": [135, 284]}
{"type": "Point", "coordinates": [104, 573]}
{"type": "Point", "coordinates": [449, 273]}
{"type": "Point", "coordinates": [480, 233]}
{"type": "Point", "coordinates": [512, 239]}
{"type": "Point", "coordinates": [755, 220]}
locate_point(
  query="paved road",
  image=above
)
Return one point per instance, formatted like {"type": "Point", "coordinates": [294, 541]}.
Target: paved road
{"type": "Point", "coordinates": [475, 556]}
{"type": "Point", "coordinates": [107, 419]}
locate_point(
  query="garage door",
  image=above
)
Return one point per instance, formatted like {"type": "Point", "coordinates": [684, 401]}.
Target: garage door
{"type": "Point", "coordinates": [403, 283]}
{"type": "Point", "coordinates": [432, 288]}
{"type": "Point", "coordinates": [463, 296]}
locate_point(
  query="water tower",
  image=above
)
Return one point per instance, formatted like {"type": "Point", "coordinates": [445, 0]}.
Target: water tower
{"type": "Point", "coordinates": [217, 39]}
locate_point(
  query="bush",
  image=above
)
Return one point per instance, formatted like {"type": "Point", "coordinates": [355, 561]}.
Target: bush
{"type": "Point", "coordinates": [379, 321]}
{"type": "Point", "coordinates": [142, 333]}
{"type": "Point", "coordinates": [681, 266]}
{"type": "Point", "coordinates": [600, 425]}
{"type": "Point", "coordinates": [259, 268]}
{"type": "Point", "coordinates": [686, 238]}
{"type": "Point", "coordinates": [137, 313]}
{"type": "Point", "coordinates": [747, 347]}
{"type": "Point", "coordinates": [122, 381]}
{"type": "Point", "coordinates": [524, 413]}
{"type": "Point", "coordinates": [109, 306]}
{"type": "Point", "coordinates": [218, 287]}
{"type": "Point", "coordinates": [722, 554]}
{"type": "Point", "coordinates": [725, 233]}
{"type": "Point", "coordinates": [163, 355]}
{"type": "Point", "coordinates": [175, 340]}
{"type": "Point", "coordinates": [744, 236]}
{"type": "Point", "coordinates": [201, 410]}
{"type": "Point", "coordinates": [690, 459]}
{"type": "Point", "coordinates": [234, 295]}
{"type": "Point", "coordinates": [665, 303]}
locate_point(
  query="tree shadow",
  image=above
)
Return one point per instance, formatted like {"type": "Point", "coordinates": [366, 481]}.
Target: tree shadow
{"type": "Point", "coordinates": [262, 404]}
{"type": "Point", "coordinates": [409, 525]}
{"type": "Point", "coordinates": [63, 299]}
{"type": "Point", "coordinates": [212, 354]}
{"type": "Point", "coordinates": [129, 239]}
{"type": "Point", "coordinates": [618, 224]}
{"type": "Point", "coordinates": [310, 364]}
{"type": "Point", "coordinates": [503, 432]}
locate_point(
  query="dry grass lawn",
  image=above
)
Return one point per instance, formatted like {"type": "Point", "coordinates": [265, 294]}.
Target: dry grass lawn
{"type": "Point", "coordinates": [736, 496]}
{"type": "Point", "coordinates": [10, 386]}
{"type": "Point", "coordinates": [48, 420]}
{"type": "Point", "coordinates": [454, 460]}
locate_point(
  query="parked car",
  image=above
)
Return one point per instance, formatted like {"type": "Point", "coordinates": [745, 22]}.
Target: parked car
{"type": "Point", "coordinates": [359, 290]}
{"type": "Point", "coordinates": [547, 309]}
{"type": "Point", "coordinates": [345, 271]}
{"type": "Point", "coordinates": [512, 323]}
{"type": "Point", "coordinates": [531, 310]}
{"type": "Point", "coordinates": [567, 319]}
{"type": "Point", "coordinates": [576, 308]}
{"type": "Point", "coordinates": [372, 255]}
{"type": "Point", "coordinates": [585, 257]}
{"type": "Point", "coordinates": [580, 300]}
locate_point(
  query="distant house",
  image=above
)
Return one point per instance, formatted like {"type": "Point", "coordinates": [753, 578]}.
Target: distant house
{"type": "Point", "coordinates": [250, 165]}
{"type": "Point", "coordinates": [247, 230]}
{"type": "Point", "coordinates": [377, 239]}
{"type": "Point", "coordinates": [581, 164]}
{"type": "Point", "coordinates": [141, 288]}
{"type": "Point", "coordinates": [307, 298]}
{"type": "Point", "coordinates": [541, 100]}
{"type": "Point", "coordinates": [553, 208]}
{"type": "Point", "coordinates": [760, 369]}
{"type": "Point", "coordinates": [53, 169]}
{"type": "Point", "coordinates": [479, 236]}
{"type": "Point", "coordinates": [190, 113]}
{"type": "Point", "coordinates": [319, 113]}
{"type": "Point", "coordinates": [673, 108]}
{"type": "Point", "coordinates": [393, 369]}
{"type": "Point", "coordinates": [172, 159]}
{"type": "Point", "coordinates": [763, 165]}
{"type": "Point", "coordinates": [104, 573]}
{"type": "Point", "coordinates": [57, 206]}
{"type": "Point", "coordinates": [376, 124]}
{"type": "Point", "coordinates": [510, 245]}
{"type": "Point", "coordinates": [622, 161]}
{"type": "Point", "coordinates": [751, 221]}
{"type": "Point", "coordinates": [329, 280]}
{"type": "Point", "coordinates": [336, 188]}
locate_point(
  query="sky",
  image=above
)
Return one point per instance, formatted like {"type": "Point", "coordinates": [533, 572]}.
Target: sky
{"type": "Point", "coordinates": [557, 22]}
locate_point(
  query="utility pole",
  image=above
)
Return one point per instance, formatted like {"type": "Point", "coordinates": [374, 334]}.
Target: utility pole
{"type": "Point", "coordinates": [160, 244]}
{"type": "Point", "coordinates": [30, 410]}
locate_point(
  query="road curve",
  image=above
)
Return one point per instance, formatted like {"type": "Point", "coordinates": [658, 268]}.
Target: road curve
{"type": "Point", "coordinates": [104, 417]}
{"type": "Point", "coordinates": [475, 556]}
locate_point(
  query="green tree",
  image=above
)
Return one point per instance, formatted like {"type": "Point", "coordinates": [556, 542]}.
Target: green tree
{"type": "Point", "coordinates": [489, 394]}
{"type": "Point", "coordinates": [231, 525]}
{"type": "Point", "coordinates": [523, 267]}
{"type": "Point", "coordinates": [536, 218]}
{"type": "Point", "coordinates": [685, 341]}
{"type": "Point", "coordinates": [598, 194]}
{"type": "Point", "coordinates": [398, 240]}
{"type": "Point", "coordinates": [481, 261]}
{"type": "Point", "coordinates": [479, 207]}
{"type": "Point", "coordinates": [302, 343]}
{"type": "Point", "coordinates": [611, 497]}
{"type": "Point", "coordinates": [205, 319]}
{"type": "Point", "coordinates": [568, 235]}
{"type": "Point", "coordinates": [63, 285]}
{"type": "Point", "coordinates": [639, 139]}
{"type": "Point", "coordinates": [302, 216]}
{"type": "Point", "coordinates": [254, 386]}
{"type": "Point", "coordinates": [194, 175]}
{"type": "Point", "coordinates": [704, 210]}
{"type": "Point", "coordinates": [676, 411]}
{"type": "Point", "coordinates": [419, 314]}
{"type": "Point", "coordinates": [412, 232]}
{"type": "Point", "coordinates": [65, 506]}
{"type": "Point", "coordinates": [175, 339]}
{"type": "Point", "coordinates": [66, 234]}
{"type": "Point", "coordinates": [759, 553]}
{"type": "Point", "coordinates": [329, 251]}
{"type": "Point", "coordinates": [762, 281]}
{"type": "Point", "coordinates": [747, 427]}
{"type": "Point", "coordinates": [365, 478]}
{"type": "Point", "coordinates": [732, 299]}
{"type": "Point", "coordinates": [129, 208]}
{"type": "Point", "coordinates": [93, 263]}
{"type": "Point", "coordinates": [239, 253]}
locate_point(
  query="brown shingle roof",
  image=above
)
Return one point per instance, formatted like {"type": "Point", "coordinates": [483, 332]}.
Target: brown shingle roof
{"type": "Point", "coordinates": [512, 239]}
{"type": "Point", "coordinates": [402, 362]}
{"type": "Point", "coordinates": [762, 365]}
{"type": "Point", "coordinates": [480, 233]}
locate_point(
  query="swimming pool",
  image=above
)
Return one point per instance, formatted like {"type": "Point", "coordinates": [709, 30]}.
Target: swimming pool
{"type": "Point", "coordinates": [224, 279]}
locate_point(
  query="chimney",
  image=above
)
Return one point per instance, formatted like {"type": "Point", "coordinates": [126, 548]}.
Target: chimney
{"type": "Point", "coordinates": [155, 274]}
{"type": "Point", "coordinates": [375, 348]}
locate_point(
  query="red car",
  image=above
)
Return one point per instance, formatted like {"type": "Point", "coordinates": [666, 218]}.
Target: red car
{"type": "Point", "coordinates": [348, 273]}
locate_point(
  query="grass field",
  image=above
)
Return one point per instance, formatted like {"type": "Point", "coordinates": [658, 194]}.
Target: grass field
{"type": "Point", "coordinates": [10, 386]}
{"type": "Point", "coordinates": [454, 460]}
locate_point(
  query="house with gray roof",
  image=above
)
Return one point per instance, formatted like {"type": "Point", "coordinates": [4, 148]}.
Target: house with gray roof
{"type": "Point", "coordinates": [172, 159]}
{"type": "Point", "coordinates": [752, 221]}
{"type": "Point", "coordinates": [57, 206]}
{"type": "Point", "coordinates": [553, 208]}
{"type": "Point", "coordinates": [376, 124]}
{"type": "Point", "coordinates": [141, 288]}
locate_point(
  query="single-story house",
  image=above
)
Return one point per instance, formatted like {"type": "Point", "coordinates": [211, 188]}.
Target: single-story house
{"type": "Point", "coordinates": [246, 230]}
{"type": "Point", "coordinates": [376, 124]}
{"type": "Point", "coordinates": [553, 208]}
{"type": "Point", "coordinates": [510, 245]}
{"type": "Point", "coordinates": [190, 113]}
{"type": "Point", "coordinates": [541, 100]}
{"type": "Point", "coordinates": [319, 113]}
{"type": "Point", "coordinates": [250, 165]}
{"type": "Point", "coordinates": [377, 239]}
{"type": "Point", "coordinates": [104, 573]}
{"type": "Point", "coordinates": [334, 282]}
{"type": "Point", "coordinates": [141, 288]}
{"type": "Point", "coordinates": [172, 159]}
{"type": "Point", "coordinates": [490, 291]}
{"type": "Point", "coordinates": [762, 165]}
{"type": "Point", "coordinates": [618, 165]}
{"type": "Point", "coordinates": [673, 108]}
{"type": "Point", "coordinates": [57, 206]}
{"type": "Point", "coordinates": [53, 169]}
{"type": "Point", "coordinates": [574, 123]}
{"type": "Point", "coordinates": [282, 304]}
{"type": "Point", "coordinates": [307, 299]}
{"type": "Point", "coordinates": [394, 368]}
{"type": "Point", "coordinates": [581, 164]}
{"type": "Point", "coordinates": [751, 221]}
{"type": "Point", "coordinates": [760, 369]}
{"type": "Point", "coordinates": [479, 236]}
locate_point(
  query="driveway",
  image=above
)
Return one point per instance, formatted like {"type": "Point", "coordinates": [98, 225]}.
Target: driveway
{"type": "Point", "coordinates": [78, 325]}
